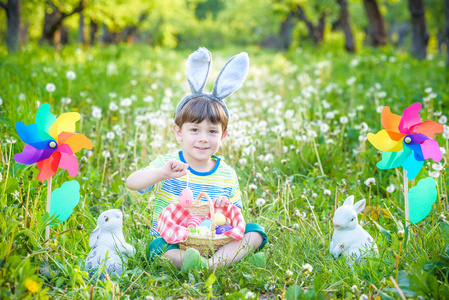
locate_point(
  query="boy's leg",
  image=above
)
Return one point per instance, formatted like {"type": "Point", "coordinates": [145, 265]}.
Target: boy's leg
{"type": "Point", "coordinates": [254, 239]}
{"type": "Point", "coordinates": [235, 250]}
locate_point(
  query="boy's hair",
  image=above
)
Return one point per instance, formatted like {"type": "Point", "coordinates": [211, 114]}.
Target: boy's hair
{"type": "Point", "coordinates": [202, 108]}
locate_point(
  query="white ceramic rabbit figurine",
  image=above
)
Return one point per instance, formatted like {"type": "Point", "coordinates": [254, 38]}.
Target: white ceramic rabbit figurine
{"type": "Point", "coordinates": [348, 234]}
{"type": "Point", "coordinates": [107, 240]}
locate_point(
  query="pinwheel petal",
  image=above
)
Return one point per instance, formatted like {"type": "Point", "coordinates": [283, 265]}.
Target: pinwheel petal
{"type": "Point", "coordinates": [420, 199]}
{"type": "Point", "coordinates": [64, 200]}
{"type": "Point", "coordinates": [417, 152]}
{"type": "Point", "coordinates": [31, 155]}
{"type": "Point", "coordinates": [413, 166]}
{"type": "Point", "coordinates": [44, 118]}
{"type": "Point", "coordinates": [430, 149]}
{"type": "Point", "coordinates": [30, 134]}
{"type": "Point", "coordinates": [391, 122]}
{"type": "Point", "coordinates": [428, 128]}
{"type": "Point", "coordinates": [391, 160]}
{"type": "Point", "coordinates": [410, 117]}
{"type": "Point", "coordinates": [65, 122]}
{"type": "Point", "coordinates": [63, 136]}
{"type": "Point", "coordinates": [65, 149]}
{"type": "Point", "coordinates": [69, 162]}
{"type": "Point", "coordinates": [383, 142]}
{"type": "Point", "coordinates": [78, 141]}
{"type": "Point", "coordinates": [48, 167]}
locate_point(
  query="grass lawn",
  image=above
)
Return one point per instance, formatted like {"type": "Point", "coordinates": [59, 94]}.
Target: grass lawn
{"type": "Point", "coordinates": [297, 139]}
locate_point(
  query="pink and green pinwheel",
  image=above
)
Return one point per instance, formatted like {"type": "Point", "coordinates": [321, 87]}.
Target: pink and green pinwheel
{"type": "Point", "coordinates": [51, 142]}
{"type": "Point", "coordinates": [406, 141]}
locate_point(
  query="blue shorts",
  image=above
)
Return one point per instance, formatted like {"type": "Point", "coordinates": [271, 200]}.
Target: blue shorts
{"type": "Point", "coordinates": [159, 245]}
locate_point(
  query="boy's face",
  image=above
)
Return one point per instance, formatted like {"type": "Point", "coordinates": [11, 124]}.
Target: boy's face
{"type": "Point", "coordinates": [199, 140]}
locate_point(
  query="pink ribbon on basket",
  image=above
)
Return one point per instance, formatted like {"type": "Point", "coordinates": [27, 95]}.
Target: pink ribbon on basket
{"type": "Point", "coordinates": [172, 223]}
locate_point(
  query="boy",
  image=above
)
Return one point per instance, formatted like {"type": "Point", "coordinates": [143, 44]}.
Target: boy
{"type": "Point", "coordinates": [200, 126]}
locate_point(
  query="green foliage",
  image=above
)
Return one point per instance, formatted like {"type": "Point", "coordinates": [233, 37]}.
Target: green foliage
{"type": "Point", "coordinates": [296, 139]}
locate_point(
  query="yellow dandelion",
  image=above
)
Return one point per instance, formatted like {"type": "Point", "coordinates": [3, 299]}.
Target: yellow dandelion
{"type": "Point", "coordinates": [31, 285]}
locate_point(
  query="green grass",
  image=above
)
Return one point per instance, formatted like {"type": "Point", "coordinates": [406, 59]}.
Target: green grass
{"type": "Point", "coordinates": [289, 103]}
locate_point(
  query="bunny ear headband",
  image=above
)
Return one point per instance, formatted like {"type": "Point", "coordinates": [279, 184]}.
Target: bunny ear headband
{"type": "Point", "coordinates": [229, 80]}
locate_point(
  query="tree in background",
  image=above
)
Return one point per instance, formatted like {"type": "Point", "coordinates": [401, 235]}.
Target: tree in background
{"type": "Point", "coordinates": [446, 13]}
{"type": "Point", "coordinates": [420, 37]}
{"type": "Point", "coordinates": [54, 16]}
{"type": "Point", "coordinates": [13, 13]}
{"type": "Point", "coordinates": [345, 23]}
{"type": "Point", "coordinates": [376, 33]}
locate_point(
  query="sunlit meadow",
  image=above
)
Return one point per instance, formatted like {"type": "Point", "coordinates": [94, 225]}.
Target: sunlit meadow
{"type": "Point", "coordinates": [297, 139]}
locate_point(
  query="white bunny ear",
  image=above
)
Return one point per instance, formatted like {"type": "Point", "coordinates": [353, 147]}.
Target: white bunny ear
{"type": "Point", "coordinates": [231, 76]}
{"type": "Point", "coordinates": [198, 66]}
{"type": "Point", "coordinates": [94, 237]}
{"type": "Point", "coordinates": [359, 206]}
{"type": "Point", "coordinates": [349, 201]}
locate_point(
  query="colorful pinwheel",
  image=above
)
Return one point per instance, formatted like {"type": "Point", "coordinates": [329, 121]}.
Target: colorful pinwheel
{"type": "Point", "coordinates": [51, 143]}
{"type": "Point", "coordinates": [406, 141]}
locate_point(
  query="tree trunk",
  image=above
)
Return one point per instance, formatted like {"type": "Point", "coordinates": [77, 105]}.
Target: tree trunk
{"type": "Point", "coordinates": [13, 13]}
{"type": "Point", "coordinates": [286, 31]}
{"type": "Point", "coordinates": [81, 38]}
{"type": "Point", "coordinates": [93, 32]}
{"type": "Point", "coordinates": [420, 37]}
{"type": "Point", "coordinates": [446, 12]}
{"type": "Point", "coordinates": [64, 32]}
{"type": "Point", "coordinates": [316, 33]}
{"type": "Point", "coordinates": [377, 35]}
{"type": "Point", "coordinates": [346, 26]}
{"type": "Point", "coordinates": [129, 32]}
{"type": "Point", "coordinates": [53, 20]}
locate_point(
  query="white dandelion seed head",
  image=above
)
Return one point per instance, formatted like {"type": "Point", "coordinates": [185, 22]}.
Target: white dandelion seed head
{"type": "Point", "coordinates": [370, 181]}
{"type": "Point", "coordinates": [110, 135]}
{"type": "Point", "coordinates": [113, 106]}
{"type": "Point", "coordinates": [50, 87]}
{"type": "Point", "coordinates": [70, 75]}
{"type": "Point", "coordinates": [260, 202]}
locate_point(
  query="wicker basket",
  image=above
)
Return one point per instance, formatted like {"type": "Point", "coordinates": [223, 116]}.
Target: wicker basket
{"type": "Point", "coordinates": [205, 244]}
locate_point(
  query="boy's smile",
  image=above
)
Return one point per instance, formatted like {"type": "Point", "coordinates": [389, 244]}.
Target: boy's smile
{"type": "Point", "coordinates": [199, 142]}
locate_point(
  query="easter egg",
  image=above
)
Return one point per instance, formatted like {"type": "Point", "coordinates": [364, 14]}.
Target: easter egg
{"type": "Point", "coordinates": [219, 219]}
{"type": "Point", "coordinates": [192, 229]}
{"type": "Point", "coordinates": [205, 223]}
{"type": "Point", "coordinates": [203, 230]}
{"type": "Point", "coordinates": [222, 229]}
{"type": "Point", "coordinates": [186, 198]}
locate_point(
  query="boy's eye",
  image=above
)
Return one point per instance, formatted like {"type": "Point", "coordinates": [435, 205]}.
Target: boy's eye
{"type": "Point", "coordinates": [194, 129]}
{"type": "Point", "coordinates": [213, 131]}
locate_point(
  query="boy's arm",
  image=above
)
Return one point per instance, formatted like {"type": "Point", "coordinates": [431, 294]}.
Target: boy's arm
{"type": "Point", "coordinates": [142, 179]}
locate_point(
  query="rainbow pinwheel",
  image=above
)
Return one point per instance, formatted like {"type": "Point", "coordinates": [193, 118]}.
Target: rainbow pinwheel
{"type": "Point", "coordinates": [51, 143]}
{"type": "Point", "coordinates": [406, 141]}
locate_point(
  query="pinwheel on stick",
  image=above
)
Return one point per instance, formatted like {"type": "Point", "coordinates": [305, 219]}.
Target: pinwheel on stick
{"type": "Point", "coordinates": [51, 144]}
{"type": "Point", "coordinates": [407, 142]}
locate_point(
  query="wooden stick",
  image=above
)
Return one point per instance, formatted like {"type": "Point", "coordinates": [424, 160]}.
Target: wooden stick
{"type": "Point", "coordinates": [47, 229]}
{"type": "Point", "coordinates": [406, 198]}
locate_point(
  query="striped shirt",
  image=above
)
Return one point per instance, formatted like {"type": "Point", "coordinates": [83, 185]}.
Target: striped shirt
{"type": "Point", "coordinates": [221, 181]}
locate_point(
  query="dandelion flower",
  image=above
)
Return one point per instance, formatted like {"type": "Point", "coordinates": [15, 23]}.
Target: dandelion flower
{"type": "Point", "coordinates": [1, 101]}
{"type": "Point", "coordinates": [113, 106]}
{"type": "Point", "coordinates": [50, 87]}
{"type": "Point", "coordinates": [442, 120]}
{"type": "Point", "coordinates": [260, 202]}
{"type": "Point", "coordinates": [289, 273]}
{"type": "Point", "coordinates": [327, 192]}
{"type": "Point", "coordinates": [148, 99]}
{"type": "Point", "coordinates": [390, 188]}
{"type": "Point", "coordinates": [106, 154]}
{"type": "Point", "coordinates": [31, 285]}
{"type": "Point", "coordinates": [70, 75]}
{"type": "Point", "coordinates": [344, 120]}
{"type": "Point", "coordinates": [307, 268]}
{"type": "Point", "coordinates": [125, 102]}
{"type": "Point", "coordinates": [96, 112]}
{"type": "Point", "coordinates": [370, 181]}
{"type": "Point", "coordinates": [110, 135]}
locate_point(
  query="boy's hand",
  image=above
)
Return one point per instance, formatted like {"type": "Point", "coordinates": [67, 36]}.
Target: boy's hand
{"type": "Point", "coordinates": [174, 169]}
{"type": "Point", "coordinates": [222, 201]}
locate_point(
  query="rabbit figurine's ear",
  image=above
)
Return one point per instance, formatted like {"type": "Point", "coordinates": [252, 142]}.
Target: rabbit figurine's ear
{"type": "Point", "coordinates": [94, 237]}
{"type": "Point", "coordinates": [349, 201]}
{"type": "Point", "coordinates": [198, 66]}
{"type": "Point", "coordinates": [359, 206]}
{"type": "Point", "coordinates": [231, 76]}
